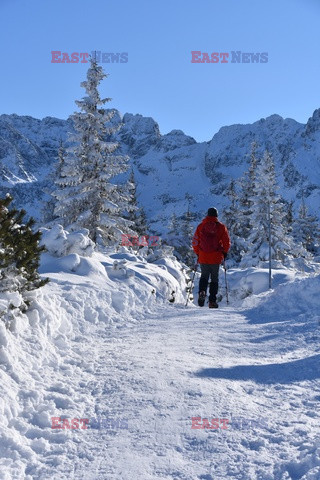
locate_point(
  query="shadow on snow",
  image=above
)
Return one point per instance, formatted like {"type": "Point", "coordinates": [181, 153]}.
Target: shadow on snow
{"type": "Point", "coordinates": [288, 372]}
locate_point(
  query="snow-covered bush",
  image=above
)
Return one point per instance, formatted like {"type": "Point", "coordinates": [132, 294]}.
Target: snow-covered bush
{"type": "Point", "coordinates": [59, 242]}
{"type": "Point", "coordinates": [162, 251]}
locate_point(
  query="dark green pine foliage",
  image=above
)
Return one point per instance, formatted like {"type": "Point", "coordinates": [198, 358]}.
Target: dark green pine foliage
{"type": "Point", "coordinates": [19, 251]}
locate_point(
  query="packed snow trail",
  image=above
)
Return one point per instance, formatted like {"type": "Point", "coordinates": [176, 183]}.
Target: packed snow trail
{"type": "Point", "coordinates": [182, 363]}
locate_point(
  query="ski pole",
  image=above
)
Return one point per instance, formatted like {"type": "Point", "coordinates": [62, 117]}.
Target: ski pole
{"type": "Point", "coordinates": [225, 277]}
{"type": "Point", "coordinates": [192, 281]}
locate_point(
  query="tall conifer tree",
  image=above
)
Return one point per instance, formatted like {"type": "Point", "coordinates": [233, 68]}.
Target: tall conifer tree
{"type": "Point", "coordinates": [89, 198]}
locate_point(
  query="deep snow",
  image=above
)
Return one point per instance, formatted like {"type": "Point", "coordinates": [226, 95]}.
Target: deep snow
{"type": "Point", "coordinates": [103, 343]}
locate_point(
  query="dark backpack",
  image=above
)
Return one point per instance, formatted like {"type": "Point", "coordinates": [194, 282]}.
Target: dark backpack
{"type": "Point", "coordinates": [210, 237]}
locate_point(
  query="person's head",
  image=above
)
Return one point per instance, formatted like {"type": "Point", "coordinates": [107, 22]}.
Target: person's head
{"type": "Point", "coordinates": [212, 212]}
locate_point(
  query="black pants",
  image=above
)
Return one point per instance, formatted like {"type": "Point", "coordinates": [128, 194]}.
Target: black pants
{"type": "Point", "coordinates": [207, 271]}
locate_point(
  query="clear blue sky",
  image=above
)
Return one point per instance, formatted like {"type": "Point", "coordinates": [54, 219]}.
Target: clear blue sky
{"type": "Point", "coordinates": [159, 79]}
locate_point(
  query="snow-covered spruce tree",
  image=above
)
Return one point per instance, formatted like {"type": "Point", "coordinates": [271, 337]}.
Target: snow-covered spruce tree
{"type": "Point", "coordinates": [247, 184]}
{"type": "Point", "coordinates": [58, 179]}
{"type": "Point", "coordinates": [288, 218]}
{"type": "Point", "coordinates": [306, 229]}
{"type": "Point", "coordinates": [136, 213]}
{"type": "Point", "coordinates": [173, 225]}
{"type": "Point", "coordinates": [179, 236]}
{"type": "Point", "coordinates": [233, 219]}
{"type": "Point", "coordinates": [265, 198]}
{"type": "Point", "coordinates": [173, 236]}
{"type": "Point", "coordinates": [87, 198]}
{"type": "Point", "coordinates": [185, 249]}
{"type": "Point", "coordinates": [19, 253]}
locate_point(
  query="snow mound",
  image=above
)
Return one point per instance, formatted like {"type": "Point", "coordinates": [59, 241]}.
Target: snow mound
{"type": "Point", "coordinates": [289, 300]}
{"type": "Point", "coordinates": [59, 242]}
{"type": "Point", "coordinates": [254, 280]}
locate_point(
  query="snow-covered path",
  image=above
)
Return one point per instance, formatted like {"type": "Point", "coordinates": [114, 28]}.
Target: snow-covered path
{"type": "Point", "coordinates": [180, 363]}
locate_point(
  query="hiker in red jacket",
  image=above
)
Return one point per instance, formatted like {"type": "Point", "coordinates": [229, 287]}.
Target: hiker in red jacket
{"type": "Point", "coordinates": [211, 243]}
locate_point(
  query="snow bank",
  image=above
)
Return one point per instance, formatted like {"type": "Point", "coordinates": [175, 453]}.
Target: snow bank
{"type": "Point", "coordinates": [253, 281]}
{"type": "Point", "coordinates": [296, 300]}
{"type": "Point", "coordinates": [247, 284]}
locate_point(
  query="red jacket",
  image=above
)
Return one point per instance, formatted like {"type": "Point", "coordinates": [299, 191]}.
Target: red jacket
{"type": "Point", "coordinates": [224, 242]}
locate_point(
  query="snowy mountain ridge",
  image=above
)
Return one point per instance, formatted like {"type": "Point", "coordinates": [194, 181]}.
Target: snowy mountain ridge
{"type": "Point", "coordinates": [168, 167]}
